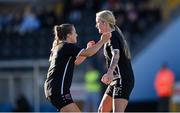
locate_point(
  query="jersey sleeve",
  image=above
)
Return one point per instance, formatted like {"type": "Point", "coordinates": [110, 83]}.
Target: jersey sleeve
{"type": "Point", "coordinates": [73, 50]}
{"type": "Point", "coordinates": [115, 42]}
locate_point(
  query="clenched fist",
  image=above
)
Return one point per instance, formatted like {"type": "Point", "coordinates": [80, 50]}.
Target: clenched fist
{"type": "Point", "coordinates": [106, 79]}
{"type": "Point", "coordinates": [91, 43]}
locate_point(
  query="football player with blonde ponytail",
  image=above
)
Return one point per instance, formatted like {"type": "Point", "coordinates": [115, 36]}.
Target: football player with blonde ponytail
{"type": "Point", "coordinates": [119, 76]}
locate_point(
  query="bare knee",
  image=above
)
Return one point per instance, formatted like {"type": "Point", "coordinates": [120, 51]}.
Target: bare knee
{"type": "Point", "coordinates": [103, 109]}
{"type": "Point", "coordinates": [100, 109]}
{"type": "Point", "coordinates": [120, 105]}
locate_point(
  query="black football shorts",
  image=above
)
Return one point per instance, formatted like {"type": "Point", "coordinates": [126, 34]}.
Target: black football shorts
{"type": "Point", "coordinates": [119, 88]}
{"type": "Point", "coordinates": [61, 100]}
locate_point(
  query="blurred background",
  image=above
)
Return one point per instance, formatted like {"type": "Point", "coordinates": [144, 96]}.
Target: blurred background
{"type": "Point", "coordinates": [151, 27]}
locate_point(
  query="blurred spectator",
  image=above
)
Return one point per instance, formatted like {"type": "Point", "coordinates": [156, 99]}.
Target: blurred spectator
{"type": "Point", "coordinates": [132, 17]}
{"type": "Point", "coordinates": [135, 18]}
{"type": "Point", "coordinates": [15, 22]}
{"type": "Point", "coordinates": [93, 89]}
{"type": "Point", "coordinates": [22, 104]}
{"type": "Point", "coordinates": [164, 83]}
{"type": "Point", "coordinates": [59, 12]}
{"type": "Point", "coordinates": [5, 21]}
{"type": "Point", "coordinates": [30, 22]}
{"type": "Point", "coordinates": [132, 23]}
{"type": "Point", "coordinates": [75, 9]}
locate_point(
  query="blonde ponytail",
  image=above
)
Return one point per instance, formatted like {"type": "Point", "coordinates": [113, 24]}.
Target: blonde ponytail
{"type": "Point", "coordinates": [124, 43]}
{"type": "Point", "coordinates": [56, 41]}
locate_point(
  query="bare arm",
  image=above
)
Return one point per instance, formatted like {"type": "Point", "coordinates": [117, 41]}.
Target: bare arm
{"type": "Point", "coordinates": [79, 60]}
{"type": "Point", "coordinates": [114, 61]}
{"type": "Point", "coordinates": [108, 77]}
{"type": "Point", "coordinates": [91, 51]}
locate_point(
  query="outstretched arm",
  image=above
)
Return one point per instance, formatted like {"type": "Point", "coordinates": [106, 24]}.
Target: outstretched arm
{"type": "Point", "coordinates": [80, 59]}
{"type": "Point", "coordinates": [93, 50]}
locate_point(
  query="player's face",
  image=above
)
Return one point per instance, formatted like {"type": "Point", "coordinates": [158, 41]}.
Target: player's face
{"type": "Point", "coordinates": [101, 26]}
{"type": "Point", "coordinates": [73, 36]}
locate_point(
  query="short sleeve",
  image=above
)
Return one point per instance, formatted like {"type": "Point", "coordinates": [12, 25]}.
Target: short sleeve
{"type": "Point", "coordinates": [73, 50]}
{"type": "Point", "coordinates": [115, 43]}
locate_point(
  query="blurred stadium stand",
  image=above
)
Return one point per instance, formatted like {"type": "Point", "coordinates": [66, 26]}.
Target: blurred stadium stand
{"type": "Point", "coordinates": [25, 49]}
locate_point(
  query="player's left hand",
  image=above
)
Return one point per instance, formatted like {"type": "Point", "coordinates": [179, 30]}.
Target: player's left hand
{"type": "Point", "coordinates": [106, 79]}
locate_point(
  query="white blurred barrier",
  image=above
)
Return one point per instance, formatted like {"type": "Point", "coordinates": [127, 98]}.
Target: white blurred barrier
{"type": "Point", "coordinates": [27, 77]}
{"type": "Point", "coordinates": [27, 82]}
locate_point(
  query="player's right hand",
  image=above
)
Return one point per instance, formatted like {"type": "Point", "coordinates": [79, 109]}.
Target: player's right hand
{"type": "Point", "coordinates": [91, 43]}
